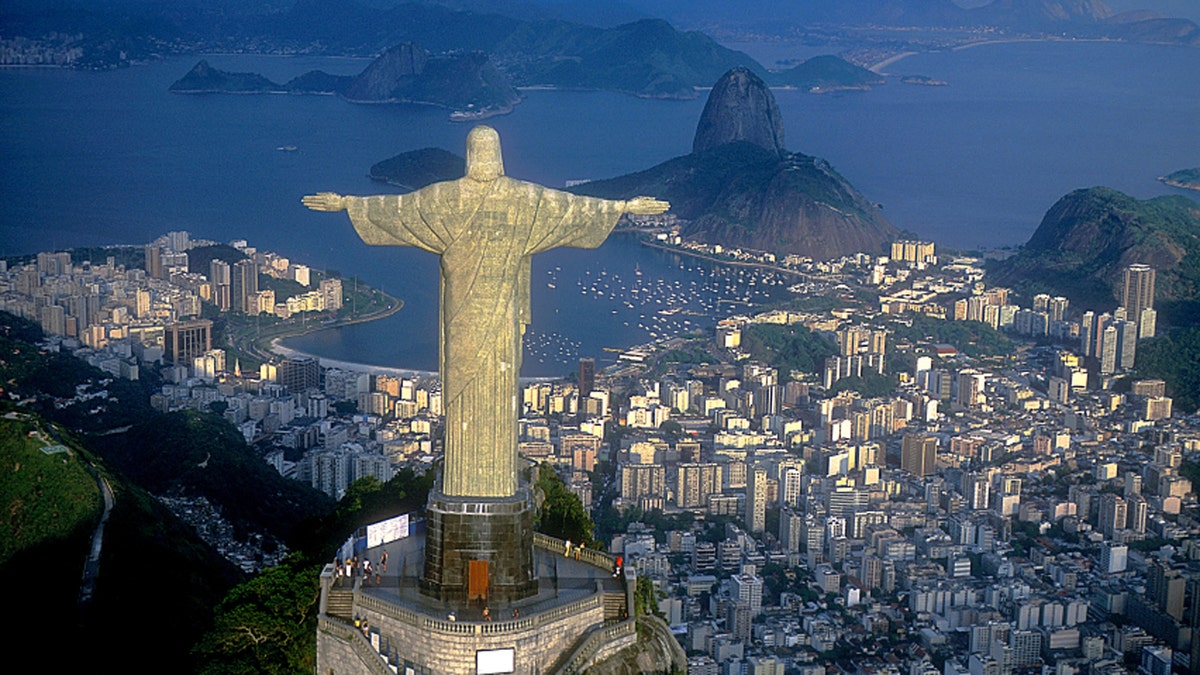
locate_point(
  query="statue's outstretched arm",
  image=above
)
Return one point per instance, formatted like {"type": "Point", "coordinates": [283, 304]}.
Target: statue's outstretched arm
{"type": "Point", "coordinates": [384, 220]}
{"type": "Point", "coordinates": [584, 222]}
{"type": "Point", "coordinates": [646, 206]}
{"type": "Point", "coordinates": [325, 201]}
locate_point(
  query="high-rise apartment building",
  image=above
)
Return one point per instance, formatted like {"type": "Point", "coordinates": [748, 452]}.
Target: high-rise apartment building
{"type": "Point", "coordinates": [977, 489]}
{"type": "Point", "coordinates": [918, 454]}
{"type": "Point", "coordinates": [1127, 337]}
{"type": "Point", "coordinates": [1107, 351]}
{"type": "Point", "coordinates": [695, 482]}
{"type": "Point", "coordinates": [219, 276]}
{"type": "Point", "coordinates": [183, 342]}
{"type": "Point", "coordinates": [970, 388]}
{"type": "Point", "coordinates": [243, 287]}
{"type": "Point", "coordinates": [331, 289]}
{"type": "Point", "coordinates": [1137, 291]}
{"type": "Point", "coordinates": [1114, 557]}
{"type": "Point", "coordinates": [300, 373]}
{"type": "Point", "coordinates": [1147, 323]}
{"type": "Point", "coordinates": [791, 485]}
{"type": "Point", "coordinates": [756, 499]}
{"type": "Point", "coordinates": [154, 266]}
{"type": "Point", "coordinates": [1166, 587]}
{"type": "Point", "coordinates": [1087, 329]}
{"type": "Point", "coordinates": [1114, 514]}
{"type": "Point", "coordinates": [587, 377]}
{"type": "Point", "coordinates": [642, 480]}
{"type": "Point", "coordinates": [791, 530]}
{"type": "Point", "coordinates": [179, 241]}
{"type": "Point", "coordinates": [913, 251]}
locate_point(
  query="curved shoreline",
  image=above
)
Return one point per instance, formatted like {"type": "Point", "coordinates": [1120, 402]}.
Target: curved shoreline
{"type": "Point", "coordinates": [892, 60]}
{"type": "Point", "coordinates": [273, 347]}
{"type": "Point", "coordinates": [719, 261]}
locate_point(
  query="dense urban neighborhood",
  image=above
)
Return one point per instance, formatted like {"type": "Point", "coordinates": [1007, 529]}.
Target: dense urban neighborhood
{"type": "Point", "coordinates": [900, 470]}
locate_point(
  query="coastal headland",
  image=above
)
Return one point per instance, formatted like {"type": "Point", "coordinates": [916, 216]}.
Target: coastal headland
{"type": "Point", "coordinates": [1186, 179]}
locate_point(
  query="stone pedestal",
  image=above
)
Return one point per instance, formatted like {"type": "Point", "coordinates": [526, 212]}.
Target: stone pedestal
{"type": "Point", "coordinates": [494, 531]}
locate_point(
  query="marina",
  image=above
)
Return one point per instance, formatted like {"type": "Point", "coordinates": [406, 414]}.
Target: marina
{"type": "Point", "coordinates": [676, 297]}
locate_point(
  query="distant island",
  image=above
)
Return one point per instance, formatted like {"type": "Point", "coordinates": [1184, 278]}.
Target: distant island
{"type": "Point", "coordinates": [469, 84]}
{"type": "Point", "coordinates": [824, 74]}
{"type": "Point", "coordinates": [1188, 179]}
{"type": "Point", "coordinates": [474, 86]}
{"type": "Point", "coordinates": [923, 80]}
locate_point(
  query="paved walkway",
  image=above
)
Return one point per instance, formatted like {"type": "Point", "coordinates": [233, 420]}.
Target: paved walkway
{"type": "Point", "coordinates": [560, 579]}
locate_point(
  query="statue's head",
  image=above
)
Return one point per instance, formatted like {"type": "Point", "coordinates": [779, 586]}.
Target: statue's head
{"type": "Point", "coordinates": [483, 154]}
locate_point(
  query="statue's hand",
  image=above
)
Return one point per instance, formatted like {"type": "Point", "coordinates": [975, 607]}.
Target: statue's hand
{"type": "Point", "coordinates": [646, 206]}
{"type": "Point", "coordinates": [324, 201]}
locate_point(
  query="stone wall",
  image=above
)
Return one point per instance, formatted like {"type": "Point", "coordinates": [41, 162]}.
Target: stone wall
{"type": "Point", "coordinates": [343, 649]}
{"type": "Point", "coordinates": [442, 646]}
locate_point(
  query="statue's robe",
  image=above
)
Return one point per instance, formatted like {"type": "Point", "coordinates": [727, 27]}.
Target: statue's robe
{"type": "Point", "coordinates": [485, 233]}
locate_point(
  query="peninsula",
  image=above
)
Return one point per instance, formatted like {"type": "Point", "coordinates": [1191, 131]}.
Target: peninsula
{"type": "Point", "coordinates": [1188, 179]}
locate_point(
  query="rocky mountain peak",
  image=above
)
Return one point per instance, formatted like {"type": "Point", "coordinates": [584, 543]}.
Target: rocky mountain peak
{"type": "Point", "coordinates": [378, 81]}
{"type": "Point", "coordinates": [740, 108]}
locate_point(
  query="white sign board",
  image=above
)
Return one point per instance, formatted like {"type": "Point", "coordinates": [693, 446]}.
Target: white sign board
{"type": "Point", "coordinates": [495, 661]}
{"type": "Point", "coordinates": [387, 531]}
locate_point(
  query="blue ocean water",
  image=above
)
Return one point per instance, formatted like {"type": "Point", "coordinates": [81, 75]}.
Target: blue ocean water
{"type": "Point", "coordinates": [103, 158]}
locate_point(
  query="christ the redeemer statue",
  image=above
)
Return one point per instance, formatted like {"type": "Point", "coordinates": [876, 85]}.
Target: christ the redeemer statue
{"type": "Point", "coordinates": [485, 226]}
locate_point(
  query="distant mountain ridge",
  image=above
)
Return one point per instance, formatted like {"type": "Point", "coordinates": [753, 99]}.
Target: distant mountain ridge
{"type": "Point", "coordinates": [544, 45]}
{"type": "Point", "coordinates": [1063, 18]}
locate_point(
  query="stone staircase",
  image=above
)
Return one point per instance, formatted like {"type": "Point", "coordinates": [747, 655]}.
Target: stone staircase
{"type": "Point", "coordinates": [614, 608]}
{"type": "Point", "coordinates": [340, 603]}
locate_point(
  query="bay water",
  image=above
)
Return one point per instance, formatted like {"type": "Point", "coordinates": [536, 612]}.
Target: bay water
{"type": "Point", "coordinates": [114, 158]}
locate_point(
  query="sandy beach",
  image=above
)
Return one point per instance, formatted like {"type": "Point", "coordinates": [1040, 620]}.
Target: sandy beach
{"type": "Point", "coordinates": [878, 67]}
{"type": "Point", "coordinates": [281, 350]}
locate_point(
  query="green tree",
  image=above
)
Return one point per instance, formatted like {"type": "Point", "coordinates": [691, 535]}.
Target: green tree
{"type": "Point", "coordinates": [645, 598]}
{"type": "Point", "coordinates": [366, 501]}
{"type": "Point", "coordinates": [787, 348]}
{"type": "Point", "coordinates": [974, 338]}
{"type": "Point", "coordinates": [1175, 359]}
{"type": "Point", "coordinates": [870, 385]}
{"type": "Point", "coordinates": [265, 625]}
{"type": "Point", "coordinates": [671, 429]}
{"type": "Point", "coordinates": [562, 514]}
